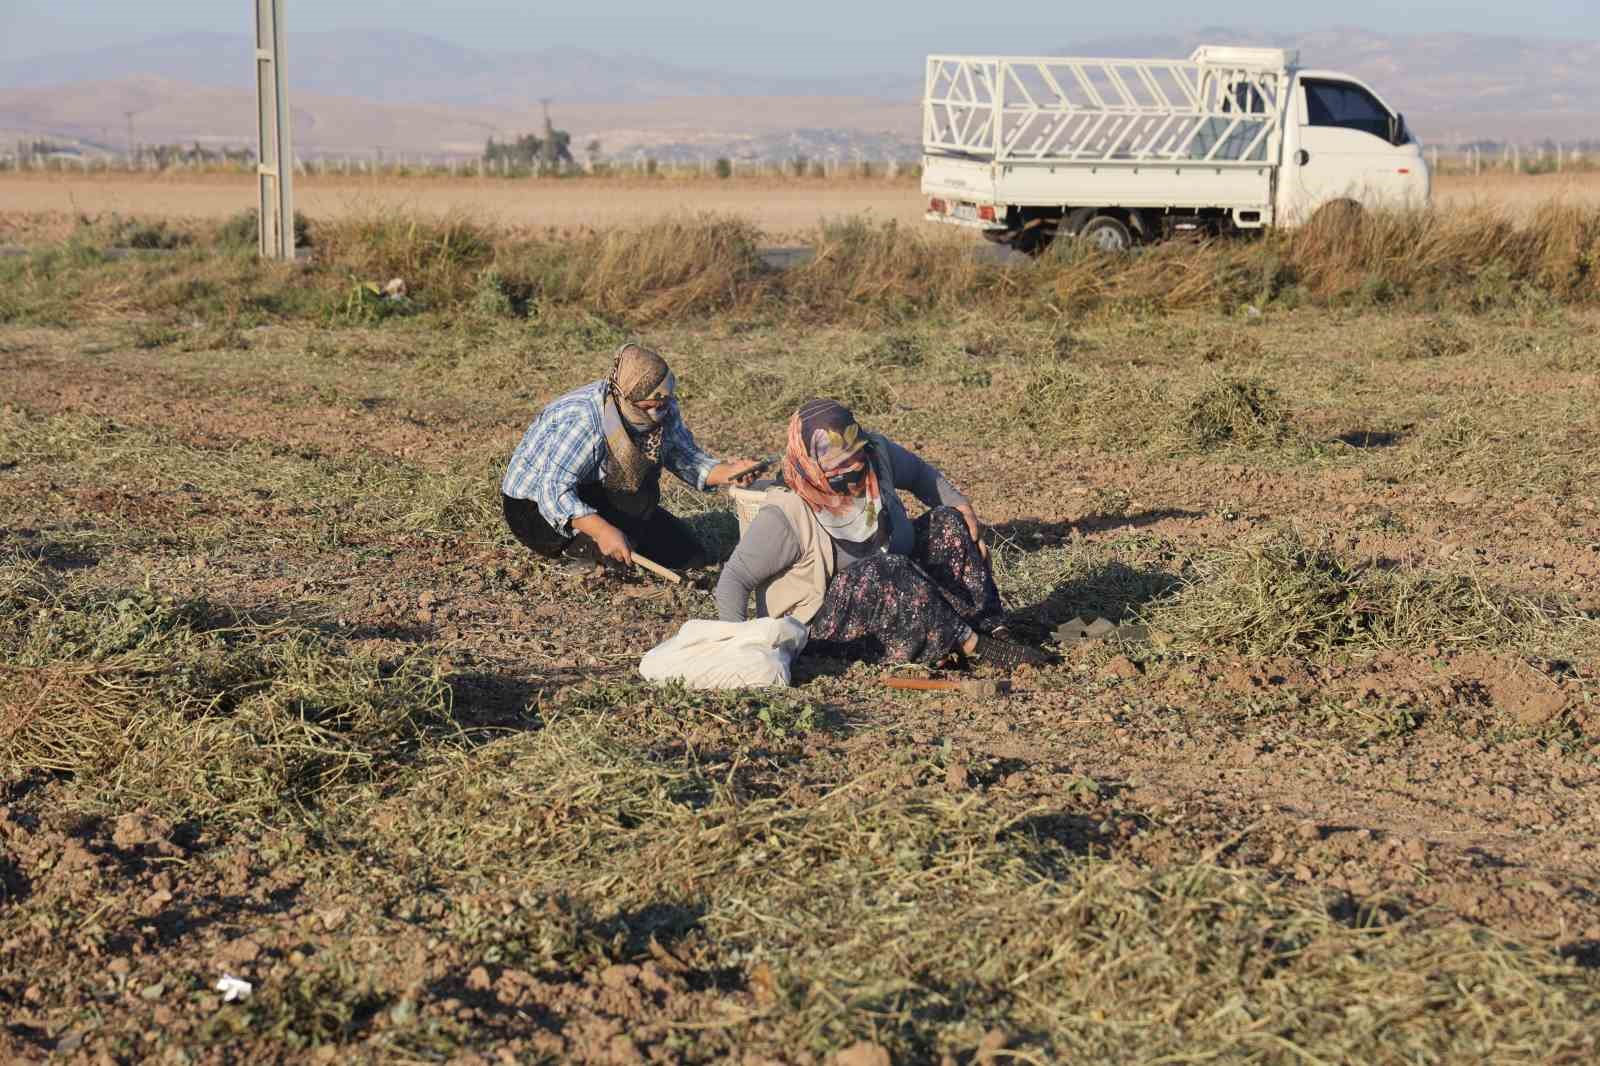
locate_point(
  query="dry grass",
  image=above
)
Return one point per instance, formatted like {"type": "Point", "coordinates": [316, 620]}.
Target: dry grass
{"type": "Point", "coordinates": [1514, 193]}
{"type": "Point", "coordinates": [778, 206]}
{"type": "Point", "coordinates": [1472, 261]}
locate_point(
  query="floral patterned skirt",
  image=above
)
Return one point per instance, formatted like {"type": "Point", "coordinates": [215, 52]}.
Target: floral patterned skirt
{"type": "Point", "coordinates": [917, 608]}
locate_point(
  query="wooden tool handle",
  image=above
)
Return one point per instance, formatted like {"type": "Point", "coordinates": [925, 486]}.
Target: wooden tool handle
{"type": "Point", "coordinates": [922, 684]}
{"type": "Point", "coordinates": [967, 687]}
{"type": "Point", "coordinates": [657, 569]}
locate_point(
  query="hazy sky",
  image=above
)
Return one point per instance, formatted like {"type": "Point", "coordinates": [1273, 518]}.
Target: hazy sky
{"type": "Point", "coordinates": [815, 36]}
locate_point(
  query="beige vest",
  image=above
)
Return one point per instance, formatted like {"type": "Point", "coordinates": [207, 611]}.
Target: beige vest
{"type": "Point", "coordinates": [798, 591]}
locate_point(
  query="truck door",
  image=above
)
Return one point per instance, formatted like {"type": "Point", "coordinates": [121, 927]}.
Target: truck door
{"type": "Point", "coordinates": [1346, 149]}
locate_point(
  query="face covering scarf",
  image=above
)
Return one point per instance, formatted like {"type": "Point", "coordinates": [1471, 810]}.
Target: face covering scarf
{"type": "Point", "coordinates": [829, 464]}
{"type": "Point", "coordinates": [633, 434]}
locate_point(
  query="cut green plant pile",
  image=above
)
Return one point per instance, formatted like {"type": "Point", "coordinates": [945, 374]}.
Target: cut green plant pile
{"type": "Point", "coordinates": [181, 709]}
{"type": "Point", "coordinates": [1282, 595]}
{"type": "Point", "coordinates": [1231, 412]}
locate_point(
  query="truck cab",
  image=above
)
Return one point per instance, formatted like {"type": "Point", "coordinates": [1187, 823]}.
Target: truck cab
{"type": "Point", "coordinates": [1343, 143]}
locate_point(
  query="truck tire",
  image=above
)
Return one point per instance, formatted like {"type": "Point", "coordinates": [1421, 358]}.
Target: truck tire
{"type": "Point", "coordinates": [1337, 217]}
{"type": "Point", "coordinates": [1074, 221]}
{"type": "Point", "coordinates": [1107, 233]}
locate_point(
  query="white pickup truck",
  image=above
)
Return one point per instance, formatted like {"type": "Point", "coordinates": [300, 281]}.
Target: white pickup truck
{"type": "Point", "coordinates": [1118, 151]}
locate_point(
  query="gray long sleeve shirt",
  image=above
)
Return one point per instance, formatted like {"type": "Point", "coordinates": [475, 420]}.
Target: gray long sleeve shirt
{"type": "Point", "coordinates": [769, 547]}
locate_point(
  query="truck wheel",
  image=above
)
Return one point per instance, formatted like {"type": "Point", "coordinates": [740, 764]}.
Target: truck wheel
{"type": "Point", "coordinates": [1072, 225]}
{"type": "Point", "coordinates": [1336, 217]}
{"type": "Point", "coordinates": [1107, 233]}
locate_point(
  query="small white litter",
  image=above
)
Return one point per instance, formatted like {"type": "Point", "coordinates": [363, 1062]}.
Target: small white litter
{"type": "Point", "coordinates": [705, 654]}
{"type": "Point", "coordinates": [233, 988]}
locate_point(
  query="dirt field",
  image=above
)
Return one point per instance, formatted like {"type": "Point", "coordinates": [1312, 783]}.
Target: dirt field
{"type": "Point", "coordinates": [781, 207]}
{"type": "Point", "coordinates": [282, 699]}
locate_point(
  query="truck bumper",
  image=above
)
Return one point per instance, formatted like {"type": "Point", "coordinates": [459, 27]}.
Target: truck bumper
{"type": "Point", "coordinates": [965, 223]}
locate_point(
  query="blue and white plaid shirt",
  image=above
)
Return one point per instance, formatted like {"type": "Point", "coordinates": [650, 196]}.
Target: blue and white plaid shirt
{"type": "Point", "coordinates": [566, 447]}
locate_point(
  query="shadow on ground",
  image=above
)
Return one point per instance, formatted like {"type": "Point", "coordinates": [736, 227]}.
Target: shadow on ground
{"type": "Point", "coordinates": [1372, 438]}
{"type": "Point", "coordinates": [1032, 534]}
{"type": "Point", "coordinates": [1114, 591]}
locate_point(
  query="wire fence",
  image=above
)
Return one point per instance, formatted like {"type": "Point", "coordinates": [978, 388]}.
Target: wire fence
{"type": "Point", "coordinates": [1514, 158]}
{"type": "Point", "coordinates": [1471, 159]}
{"type": "Point", "coordinates": [409, 166]}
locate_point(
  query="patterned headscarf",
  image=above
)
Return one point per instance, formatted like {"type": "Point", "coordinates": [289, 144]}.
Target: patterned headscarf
{"type": "Point", "coordinates": [825, 442]}
{"type": "Point", "coordinates": [638, 374]}
{"type": "Point", "coordinates": [632, 436]}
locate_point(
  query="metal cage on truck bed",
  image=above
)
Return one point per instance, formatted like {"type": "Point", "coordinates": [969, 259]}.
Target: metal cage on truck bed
{"type": "Point", "coordinates": [1222, 107]}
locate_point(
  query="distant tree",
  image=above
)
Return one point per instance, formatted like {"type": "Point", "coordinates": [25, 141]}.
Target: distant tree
{"type": "Point", "coordinates": [560, 147]}
{"type": "Point", "coordinates": [531, 150]}
{"type": "Point", "coordinates": [724, 168]}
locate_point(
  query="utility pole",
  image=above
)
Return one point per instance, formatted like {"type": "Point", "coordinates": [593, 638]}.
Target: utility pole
{"type": "Point", "coordinates": [547, 150]}
{"type": "Point", "coordinates": [274, 156]}
{"type": "Point", "coordinates": [129, 116]}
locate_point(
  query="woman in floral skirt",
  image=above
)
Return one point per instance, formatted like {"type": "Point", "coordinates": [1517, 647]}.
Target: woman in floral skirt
{"type": "Point", "coordinates": [834, 548]}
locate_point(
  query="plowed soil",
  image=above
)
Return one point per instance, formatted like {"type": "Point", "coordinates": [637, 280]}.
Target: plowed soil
{"type": "Point", "coordinates": [1453, 785]}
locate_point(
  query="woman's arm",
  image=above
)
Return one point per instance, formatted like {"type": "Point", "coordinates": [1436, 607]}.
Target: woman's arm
{"type": "Point", "coordinates": [767, 549]}
{"type": "Point", "coordinates": [923, 480]}
{"type": "Point", "coordinates": [694, 465]}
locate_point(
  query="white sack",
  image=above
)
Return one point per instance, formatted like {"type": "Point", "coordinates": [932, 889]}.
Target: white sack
{"type": "Point", "coordinates": [707, 654]}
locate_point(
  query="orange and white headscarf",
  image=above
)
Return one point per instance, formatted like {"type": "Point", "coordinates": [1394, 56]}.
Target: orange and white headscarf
{"type": "Point", "coordinates": [829, 464]}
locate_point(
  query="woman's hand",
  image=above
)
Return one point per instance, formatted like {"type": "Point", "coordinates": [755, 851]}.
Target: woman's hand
{"type": "Point", "coordinates": [975, 528]}
{"type": "Point", "coordinates": [612, 542]}
{"type": "Point", "coordinates": [734, 472]}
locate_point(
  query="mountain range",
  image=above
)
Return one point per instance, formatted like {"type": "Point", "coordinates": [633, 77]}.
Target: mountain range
{"type": "Point", "coordinates": [356, 91]}
{"type": "Point", "coordinates": [363, 63]}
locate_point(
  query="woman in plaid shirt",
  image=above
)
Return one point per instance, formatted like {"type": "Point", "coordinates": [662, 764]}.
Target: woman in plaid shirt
{"type": "Point", "coordinates": [590, 466]}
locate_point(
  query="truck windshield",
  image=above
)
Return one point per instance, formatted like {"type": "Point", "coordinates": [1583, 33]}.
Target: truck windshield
{"type": "Point", "coordinates": [1339, 103]}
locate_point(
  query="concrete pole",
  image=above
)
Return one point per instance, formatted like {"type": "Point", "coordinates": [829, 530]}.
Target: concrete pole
{"type": "Point", "coordinates": [275, 154]}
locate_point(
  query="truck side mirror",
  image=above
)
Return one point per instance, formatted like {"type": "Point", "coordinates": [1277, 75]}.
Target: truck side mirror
{"type": "Point", "coordinates": [1397, 130]}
